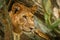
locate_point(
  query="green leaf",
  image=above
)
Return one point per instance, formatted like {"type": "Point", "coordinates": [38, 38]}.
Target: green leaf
{"type": "Point", "coordinates": [55, 24]}
{"type": "Point", "coordinates": [57, 31]}
{"type": "Point", "coordinates": [47, 5]}
{"type": "Point", "coordinates": [1, 3]}
{"type": "Point", "coordinates": [48, 11]}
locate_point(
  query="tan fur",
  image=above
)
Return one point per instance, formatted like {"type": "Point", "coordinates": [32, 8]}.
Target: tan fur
{"type": "Point", "coordinates": [22, 19]}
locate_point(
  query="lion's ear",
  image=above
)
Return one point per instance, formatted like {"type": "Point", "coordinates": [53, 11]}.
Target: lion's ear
{"type": "Point", "coordinates": [34, 9]}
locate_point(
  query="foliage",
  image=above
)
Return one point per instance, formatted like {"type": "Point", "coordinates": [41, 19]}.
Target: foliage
{"type": "Point", "coordinates": [46, 8]}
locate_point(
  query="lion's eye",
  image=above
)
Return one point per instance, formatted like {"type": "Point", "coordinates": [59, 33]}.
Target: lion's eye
{"type": "Point", "coordinates": [16, 10]}
{"type": "Point", "coordinates": [24, 16]}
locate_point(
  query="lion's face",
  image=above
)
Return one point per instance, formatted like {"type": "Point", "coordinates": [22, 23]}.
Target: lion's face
{"type": "Point", "coordinates": [22, 18]}
{"type": "Point", "coordinates": [26, 21]}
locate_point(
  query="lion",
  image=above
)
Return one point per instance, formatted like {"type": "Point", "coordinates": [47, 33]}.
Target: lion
{"type": "Point", "coordinates": [22, 19]}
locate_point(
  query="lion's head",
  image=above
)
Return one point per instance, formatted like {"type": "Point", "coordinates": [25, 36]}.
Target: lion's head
{"type": "Point", "coordinates": [22, 17]}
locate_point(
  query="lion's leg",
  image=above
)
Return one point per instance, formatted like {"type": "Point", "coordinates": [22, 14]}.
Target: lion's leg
{"type": "Point", "coordinates": [16, 36]}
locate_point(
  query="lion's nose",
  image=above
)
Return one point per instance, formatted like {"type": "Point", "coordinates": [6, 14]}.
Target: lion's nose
{"type": "Point", "coordinates": [31, 28]}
